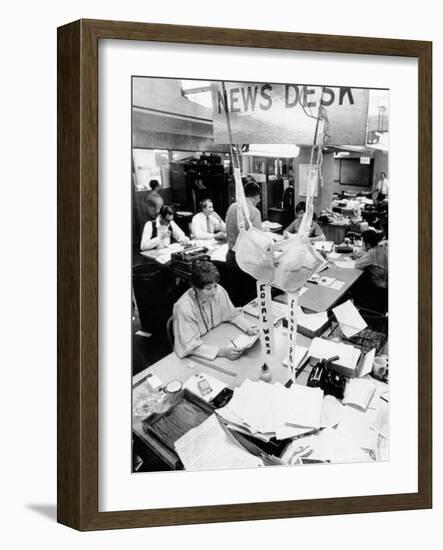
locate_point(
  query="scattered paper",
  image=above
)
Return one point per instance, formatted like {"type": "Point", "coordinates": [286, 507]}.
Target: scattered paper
{"type": "Point", "coordinates": [358, 392]}
{"type": "Point", "coordinates": [325, 281]}
{"type": "Point", "coordinates": [350, 264]}
{"type": "Point", "coordinates": [333, 256]}
{"type": "Point", "coordinates": [349, 319]}
{"type": "Point", "coordinates": [209, 447]}
{"type": "Point", "coordinates": [311, 321]}
{"type": "Point", "coordinates": [333, 445]}
{"type": "Point", "coordinates": [299, 354]}
{"type": "Point", "coordinates": [325, 246]}
{"type": "Point", "coordinates": [368, 361]}
{"type": "Point", "coordinates": [164, 258]}
{"type": "Point", "coordinates": [219, 253]}
{"type": "Point", "coordinates": [301, 406]}
{"type": "Point", "coordinates": [330, 412]}
{"type": "Point", "coordinates": [337, 285]}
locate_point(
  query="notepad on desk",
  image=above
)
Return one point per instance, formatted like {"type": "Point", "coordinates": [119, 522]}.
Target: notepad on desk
{"type": "Point", "coordinates": [244, 342]}
{"type": "Point", "coordinates": [205, 351]}
{"type": "Point", "coordinates": [358, 392]}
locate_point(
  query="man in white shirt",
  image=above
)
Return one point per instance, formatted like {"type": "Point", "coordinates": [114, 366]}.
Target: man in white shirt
{"type": "Point", "coordinates": [160, 232]}
{"type": "Point", "coordinates": [207, 224]}
{"type": "Point", "coordinates": [382, 188]}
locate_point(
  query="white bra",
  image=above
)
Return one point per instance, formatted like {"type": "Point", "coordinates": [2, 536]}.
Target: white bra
{"type": "Point", "coordinates": [287, 264]}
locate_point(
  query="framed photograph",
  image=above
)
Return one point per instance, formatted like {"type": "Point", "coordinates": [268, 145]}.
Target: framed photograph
{"type": "Point", "coordinates": [244, 275]}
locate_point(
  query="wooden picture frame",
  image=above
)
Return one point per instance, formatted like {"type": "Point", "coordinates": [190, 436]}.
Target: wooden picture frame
{"type": "Point", "coordinates": [78, 273]}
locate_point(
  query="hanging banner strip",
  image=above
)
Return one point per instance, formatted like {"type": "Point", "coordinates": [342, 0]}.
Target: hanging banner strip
{"type": "Point", "coordinates": [240, 199]}
{"type": "Point", "coordinates": [292, 331]}
{"type": "Point", "coordinates": [311, 186]}
{"type": "Point", "coordinates": [266, 321]}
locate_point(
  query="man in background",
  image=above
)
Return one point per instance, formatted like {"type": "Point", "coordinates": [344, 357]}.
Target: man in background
{"type": "Point", "coordinates": [382, 188]}
{"type": "Point", "coordinates": [243, 286]}
{"type": "Point", "coordinates": [207, 224]}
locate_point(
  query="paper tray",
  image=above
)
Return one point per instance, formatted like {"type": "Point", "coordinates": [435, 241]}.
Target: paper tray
{"type": "Point", "coordinates": [188, 412]}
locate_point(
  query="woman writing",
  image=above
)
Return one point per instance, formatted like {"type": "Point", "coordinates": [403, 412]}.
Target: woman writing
{"type": "Point", "coordinates": [201, 308]}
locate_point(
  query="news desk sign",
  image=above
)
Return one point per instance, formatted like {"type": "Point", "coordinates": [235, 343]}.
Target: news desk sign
{"type": "Point", "coordinates": [287, 113]}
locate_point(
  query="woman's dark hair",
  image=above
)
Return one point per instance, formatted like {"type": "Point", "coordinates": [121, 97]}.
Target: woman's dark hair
{"type": "Point", "coordinates": [252, 189]}
{"type": "Point", "coordinates": [300, 206]}
{"type": "Point", "coordinates": [153, 184]}
{"type": "Point", "coordinates": [166, 210]}
{"type": "Point", "coordinates": [204, 273]}
{"type": "Point", "coordinates": [371, 237]}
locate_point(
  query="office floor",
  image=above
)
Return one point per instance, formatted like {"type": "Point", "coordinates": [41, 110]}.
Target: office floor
{"type": "Point", "coordinates": [147, 351]}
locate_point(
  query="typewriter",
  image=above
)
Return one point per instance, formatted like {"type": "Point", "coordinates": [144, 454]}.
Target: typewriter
{"type": "Point", "coordinates": [181, 262]}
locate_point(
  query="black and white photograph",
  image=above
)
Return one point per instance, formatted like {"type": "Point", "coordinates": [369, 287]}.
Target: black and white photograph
{"type": "Point", "coordinates": [259, 274]}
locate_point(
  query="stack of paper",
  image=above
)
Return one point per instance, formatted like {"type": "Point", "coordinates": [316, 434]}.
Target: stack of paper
{"type": "Point", "coordinates": [348, 355]}
{"type": "Point", "coordinates": [349, 319]}
{"type": "Point", "coordinates": [209, 447]}
{"type": "Point", "coordinates": [368, 361]}
{"type": "Point", "coordinates": [359, 392]}
{"type": "Point", "coordinates": [272, 410]}
{"type": "Point", "coordinates": [311, 324]}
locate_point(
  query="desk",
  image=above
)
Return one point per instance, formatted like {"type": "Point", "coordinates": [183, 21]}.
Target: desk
{"type": "Point", "coordinates": [248, 365]}
{"type": "Point", "coordinates": [216, 250]}
{"type": "Point", "coordinates": [322, 298]}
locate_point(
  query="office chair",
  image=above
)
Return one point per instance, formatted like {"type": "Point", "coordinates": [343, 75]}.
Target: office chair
{"type": "Point", "coordinates": [170, 331]}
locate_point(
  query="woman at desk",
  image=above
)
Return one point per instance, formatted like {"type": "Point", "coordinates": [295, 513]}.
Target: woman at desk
{"type": "Point", "coordinates": [201, 308]}
{"type": "Point", "coordinates": [315, 232]}
{"type": "Point", "coordinates": [372, 288]}
{"type": "Point", "coordinates": [162, 231]}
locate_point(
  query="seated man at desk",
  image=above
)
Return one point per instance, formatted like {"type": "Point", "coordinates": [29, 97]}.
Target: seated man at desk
{"type": "Point", "coordinates": [207, 224]}
{"type": "Point", "coordinates": [201, 308]}
{"type": "Point", "coordinates": [162, 231]}
{"type": "Point", "coordinates": [372, 289]}
{"type": "Point", "coordinates": [315, 232]}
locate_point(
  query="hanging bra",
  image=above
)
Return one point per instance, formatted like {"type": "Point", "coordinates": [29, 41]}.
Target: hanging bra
{"type": "Point", "coordinates": [287, 264]}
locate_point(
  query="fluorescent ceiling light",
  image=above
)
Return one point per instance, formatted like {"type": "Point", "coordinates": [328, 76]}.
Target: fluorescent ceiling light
{"type": "Point", "coordinates": [273, 150]}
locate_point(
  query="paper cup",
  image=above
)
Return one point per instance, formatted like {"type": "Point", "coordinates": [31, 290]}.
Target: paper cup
{"type": "Point", "coordinates": [379, 367]}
